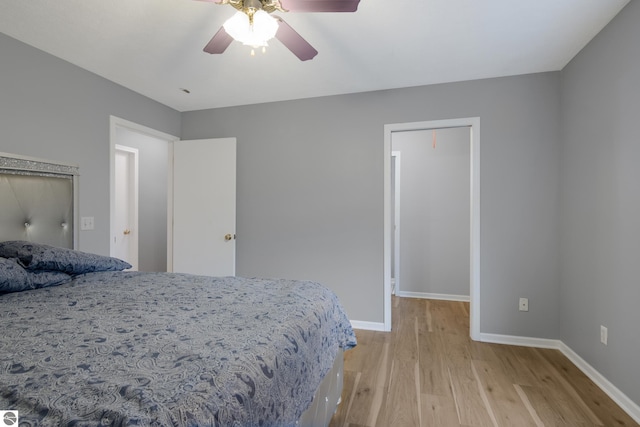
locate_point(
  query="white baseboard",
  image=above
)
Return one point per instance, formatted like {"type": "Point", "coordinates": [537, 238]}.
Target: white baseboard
{"type": "Point", "coordinates": [627, 405]}
{"type": "Point", "coordinates": [425, 295]}
{"type": "Point", "coordinates": [521, 341]}
{"type": "Point", "coordinates": [368, 326]}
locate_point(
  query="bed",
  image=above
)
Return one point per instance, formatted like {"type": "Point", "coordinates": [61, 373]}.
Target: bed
{"type": "Point", "coordinates": [87, 343]}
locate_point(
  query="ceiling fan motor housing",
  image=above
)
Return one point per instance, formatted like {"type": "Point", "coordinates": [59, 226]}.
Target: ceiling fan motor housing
{"type": "Point", "coordinates": [284, 33]}
{"type": "Point", "coordinates": [248, 6]}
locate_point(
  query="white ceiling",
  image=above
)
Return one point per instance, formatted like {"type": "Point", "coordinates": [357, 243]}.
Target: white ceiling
{"type": "Point", "coordinates": [154, 47]}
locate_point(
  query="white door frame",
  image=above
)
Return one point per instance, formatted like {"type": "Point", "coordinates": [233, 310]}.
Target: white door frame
{"type": "Point", "coordinates": [114, 124]}
{"type": "Point", "coordinates": [396, 215]}
{"type": "Point", "coordinates": [132, 183]}
{"type": "Point", "coordinates": [474, 124]}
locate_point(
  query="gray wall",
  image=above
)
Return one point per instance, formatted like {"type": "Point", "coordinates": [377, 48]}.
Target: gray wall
{"type": "Point", "coordinates": [435, 206]}
{"type": "Point", "coordinates": [55, 110]}
{"type": "Point", "coordinates": [153, 165]}
{"type": "Point", "coordinates": [601, 201]}
{"type": "Point", "coordinates": [310, 190]}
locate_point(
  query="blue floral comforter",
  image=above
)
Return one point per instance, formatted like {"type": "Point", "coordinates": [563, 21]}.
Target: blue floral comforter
{"type": "Point", "coordinates": [161, 349]}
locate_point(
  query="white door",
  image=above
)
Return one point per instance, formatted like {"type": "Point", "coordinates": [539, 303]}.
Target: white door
{"type": "Point", "coordinates": [204, 207]}
{"type": "Point", "coordinates": [125, 236]}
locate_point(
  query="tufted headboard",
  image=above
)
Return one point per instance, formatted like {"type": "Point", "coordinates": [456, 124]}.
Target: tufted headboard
{"type": "Point", "coordinates": [38, 201]}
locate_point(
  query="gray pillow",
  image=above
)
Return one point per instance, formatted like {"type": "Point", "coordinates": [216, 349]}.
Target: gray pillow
{"type": "Point", "coordinates": [37, 256]}
{"type": "Point", "coordinates": [13, 278]}
{"type": "Point", "coordinates": [42, 278]}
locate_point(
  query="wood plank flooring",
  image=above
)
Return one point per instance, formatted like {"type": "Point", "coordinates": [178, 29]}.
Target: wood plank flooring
{"type": "Point", "coordinates": [428, 372]}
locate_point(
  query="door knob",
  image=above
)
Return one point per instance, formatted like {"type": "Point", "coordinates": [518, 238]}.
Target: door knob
{"type": "Point", "coordinates": [127, 232]}
{"type": "Point", "coordinates": [228, 237]}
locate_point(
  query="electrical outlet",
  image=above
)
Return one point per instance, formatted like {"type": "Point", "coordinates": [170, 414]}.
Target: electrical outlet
{"type": "Point", "coordinates": [604, 335]}
{"type": "Point", "coordinates": [86, 223]}
{"type": "Point", "coordinates": [524, 304]}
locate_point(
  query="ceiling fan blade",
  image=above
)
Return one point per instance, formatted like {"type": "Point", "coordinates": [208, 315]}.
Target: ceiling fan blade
{"type": "Point", "coordinates": [320, 5]}
{"type": "Point", "coordinates": [219, 43]}
{"type": "Point", "coordinates": [294, 41]}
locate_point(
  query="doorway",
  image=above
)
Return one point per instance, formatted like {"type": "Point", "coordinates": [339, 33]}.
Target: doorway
{"type": "Point", "coordinates": [153, 159]}
{"type": "Point", "coordinates": [474, 251]}
{"type": "Point", "coordinates": [125, 233]}
{"type": "Point", "coordinates": [432, 228]}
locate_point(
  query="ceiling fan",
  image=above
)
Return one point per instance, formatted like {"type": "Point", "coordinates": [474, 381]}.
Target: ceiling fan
{"type": "Point", "coordinates": [253, 24]}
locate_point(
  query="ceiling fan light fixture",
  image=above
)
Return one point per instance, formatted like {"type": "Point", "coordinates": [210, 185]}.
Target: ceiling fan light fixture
{"type": "Point", "coordinates": [252, 29]}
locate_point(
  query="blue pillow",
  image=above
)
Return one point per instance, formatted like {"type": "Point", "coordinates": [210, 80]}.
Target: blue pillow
{"type": "Point", "coordinates": [37, 256]}
{"type": "Point", "coordinates": [42, 278]}
{"type": "Point", "coordinates": [13, 278]}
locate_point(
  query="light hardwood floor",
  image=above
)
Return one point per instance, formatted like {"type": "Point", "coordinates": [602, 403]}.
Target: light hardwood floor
{"type": "Point", "coordinates": [428, 372]}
